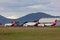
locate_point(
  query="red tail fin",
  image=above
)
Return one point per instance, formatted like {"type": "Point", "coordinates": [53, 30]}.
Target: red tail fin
{"type": "Point", "coordinates": [54, 23]}
{"type": "Point", "coordinates": [14, 22]}
{"type": "Point", "coordinates": [36, 23]}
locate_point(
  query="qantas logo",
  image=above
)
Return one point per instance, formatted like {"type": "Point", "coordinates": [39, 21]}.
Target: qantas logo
{"type": "Point", "coordinates": [54, 23]}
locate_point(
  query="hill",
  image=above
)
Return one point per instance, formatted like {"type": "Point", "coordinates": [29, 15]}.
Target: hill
{"type": "Point", "coordinates": [4, 20]}
{"type": "Point", "coordinates": [27, 18]}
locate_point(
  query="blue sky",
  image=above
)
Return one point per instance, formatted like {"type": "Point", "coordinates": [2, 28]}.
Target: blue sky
{"type": "Point", "coordinates": [19, 8]}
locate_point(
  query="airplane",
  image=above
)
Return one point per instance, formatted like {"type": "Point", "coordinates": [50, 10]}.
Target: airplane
{"type": "Point", "coordinates": [11, 24]}
{"type": "Point", "coordinates": [43, 24]}
{"type": "Point", "coordinates": [51, 24]}
{"type": "Point", "coordinates": [34, 23]}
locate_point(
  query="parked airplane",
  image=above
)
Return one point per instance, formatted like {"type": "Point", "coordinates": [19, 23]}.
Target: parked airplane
{"type": "Point", "coordinates": [11, 24]}
{"type": "Point", "coordinates": [52, 24]}
{"type": "Point", "coordinates": [35, 23]}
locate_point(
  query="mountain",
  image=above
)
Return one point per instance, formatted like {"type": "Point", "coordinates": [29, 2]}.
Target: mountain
{"type": "Point", "coordinates": [35, 16]}
{"type": "Point", "coordinates": [4, 20]}
{"type": "Point", "coordinates": [27, 18]}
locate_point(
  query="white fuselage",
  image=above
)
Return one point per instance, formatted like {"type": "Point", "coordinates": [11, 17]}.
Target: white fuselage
{"type": "Point", "coordinates": [8, 24]}
{"type": "Point", "coordinates": [41, 25]}
{"type": "Point", "coordinates": [48, 24]}
{"type": "Point", "coordinates": [29, 24]}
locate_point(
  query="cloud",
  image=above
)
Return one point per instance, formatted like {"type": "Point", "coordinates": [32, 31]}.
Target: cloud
{"type": "Point", "coordinates": [12, 17]}
{"type": "Point", "coordinates": [24, 7]}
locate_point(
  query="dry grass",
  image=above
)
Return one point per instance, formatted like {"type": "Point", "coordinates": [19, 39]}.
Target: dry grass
{"type": "Point", "coordinates": [29, 33]}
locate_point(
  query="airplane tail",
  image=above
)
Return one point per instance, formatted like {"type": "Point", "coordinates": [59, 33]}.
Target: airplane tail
{"type": "Point", "coordinates": [14, 22]}
{"type": "Point", "coordinates": [36, 22]}
{"type": "Point", "coordinates": [54, 23]}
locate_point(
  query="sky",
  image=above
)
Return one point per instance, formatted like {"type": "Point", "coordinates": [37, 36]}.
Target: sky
{"type": "Point", "coordinates": [19, 8]}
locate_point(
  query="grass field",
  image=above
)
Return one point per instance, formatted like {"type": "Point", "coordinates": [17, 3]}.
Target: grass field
{"type": "Point", "coordinates": [35, 33]}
